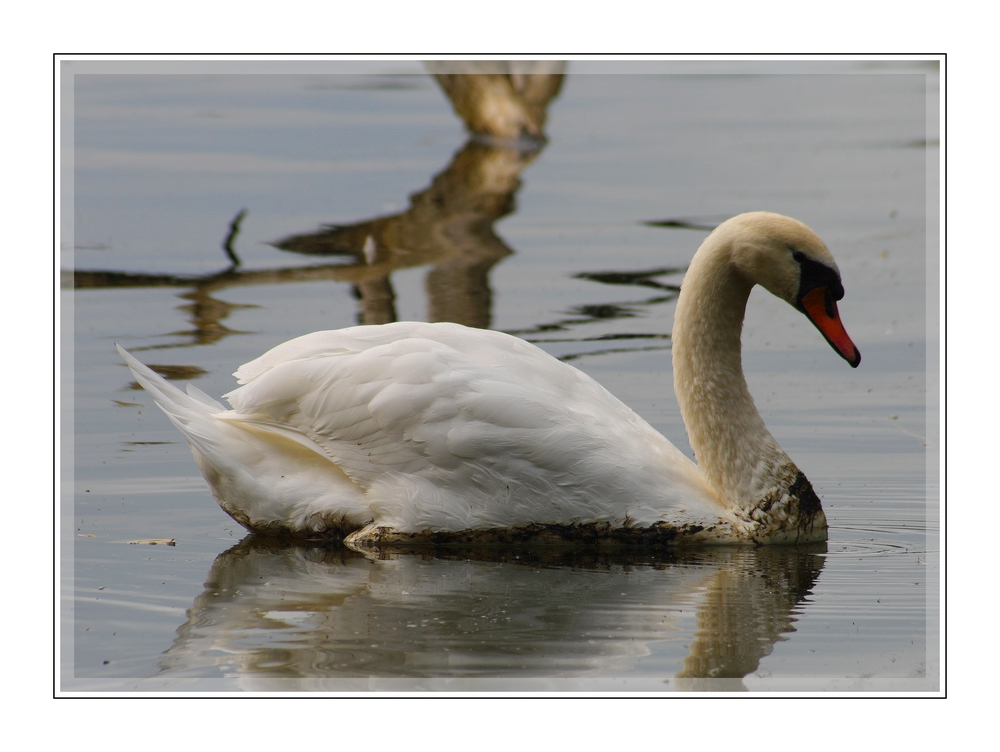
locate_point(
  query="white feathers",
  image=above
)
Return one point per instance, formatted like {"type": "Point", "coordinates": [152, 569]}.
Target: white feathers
{"type": "Point", "coordinates": [441, 427]}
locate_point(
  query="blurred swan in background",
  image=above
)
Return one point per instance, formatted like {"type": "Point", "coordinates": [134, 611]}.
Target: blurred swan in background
{"type": "Point", "coordinates": [503, 99]}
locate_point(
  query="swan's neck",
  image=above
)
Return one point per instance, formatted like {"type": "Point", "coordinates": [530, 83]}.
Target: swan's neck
{"type": "Point", "coordinates": [735, 451]}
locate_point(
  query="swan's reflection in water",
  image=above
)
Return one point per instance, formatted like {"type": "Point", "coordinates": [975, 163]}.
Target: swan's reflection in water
{"type": "Point", "coordinates": [273, 610]}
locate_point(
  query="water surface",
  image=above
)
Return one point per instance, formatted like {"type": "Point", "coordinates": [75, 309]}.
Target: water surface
{"type": "Point", "coordinates": [579, 245]}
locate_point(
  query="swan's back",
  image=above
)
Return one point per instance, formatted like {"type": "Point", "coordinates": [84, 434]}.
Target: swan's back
{"type": "Point", "coordinates": [446, 428]}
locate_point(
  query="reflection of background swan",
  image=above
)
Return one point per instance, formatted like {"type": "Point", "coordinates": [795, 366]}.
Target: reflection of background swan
{"type": "Point", "coordinates": [272, 610]}
{"type": "Point", "coordinates": [449, 225]}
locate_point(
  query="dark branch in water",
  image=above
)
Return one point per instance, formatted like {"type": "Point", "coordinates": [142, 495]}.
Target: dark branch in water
{"type": "Point", "coordinates": [642, 279]}
{"type": "Point", "coordinates": [612, 351]}
{"type": "Point", "coordinates": [590, 314]}
{"type": "Point", "coordinates": [688, 223]}
{"type": "Point", "coordinates": [234, 230]}
{"type": "Point", "coordinates": [605, 338]}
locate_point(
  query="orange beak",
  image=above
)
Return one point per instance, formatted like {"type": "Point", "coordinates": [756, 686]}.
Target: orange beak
{"type": "Point", "coordinates": [821, 309]}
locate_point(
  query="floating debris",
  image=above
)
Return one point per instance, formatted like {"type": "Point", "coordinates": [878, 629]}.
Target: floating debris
{"type": "Point", "coordinates": [154, 542]}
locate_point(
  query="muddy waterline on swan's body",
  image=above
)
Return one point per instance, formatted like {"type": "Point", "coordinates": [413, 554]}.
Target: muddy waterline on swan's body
{"type": "Point", "coordinates": [549, 245]}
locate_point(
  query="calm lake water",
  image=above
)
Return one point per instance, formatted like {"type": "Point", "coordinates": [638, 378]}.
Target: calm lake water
{"type": "Point", "coordinates": [173, 171]}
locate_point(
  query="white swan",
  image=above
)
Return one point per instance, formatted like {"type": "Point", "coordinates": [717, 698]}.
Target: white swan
{"type": "Point", "coordinates": [415, 432]}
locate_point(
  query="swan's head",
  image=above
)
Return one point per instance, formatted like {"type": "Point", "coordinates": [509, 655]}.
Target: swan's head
{"type": "Point", "coordinates": [789, 260]}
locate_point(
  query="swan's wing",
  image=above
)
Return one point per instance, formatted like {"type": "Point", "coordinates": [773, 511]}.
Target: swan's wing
{"type": "Point", "coordinates": [403, 397]}
{"type": "Point", "coordinates": [431, 410]}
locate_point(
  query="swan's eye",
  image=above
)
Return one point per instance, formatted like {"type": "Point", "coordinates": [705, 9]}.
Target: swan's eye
{"type": "Point", "coordinates": [799, 256]}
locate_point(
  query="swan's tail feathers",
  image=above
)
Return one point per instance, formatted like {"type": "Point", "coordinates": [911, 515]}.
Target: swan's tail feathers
{"type": "Point", "coordinates": [181, 408]}
{"type": "Point", "coordinates": [192, 412]}
{"type": "Point", "coordinates": [167, 396]}
{"type": "Point", "coordinates": [196, 393]}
